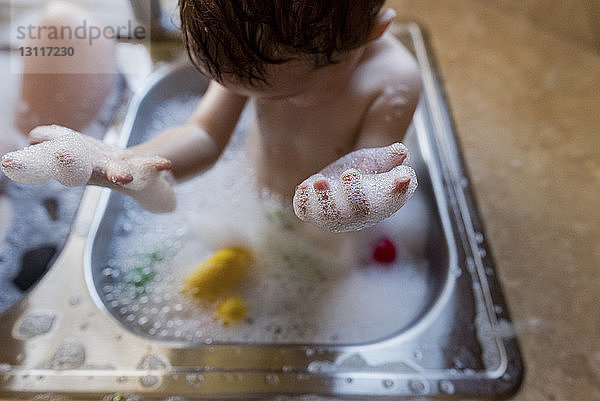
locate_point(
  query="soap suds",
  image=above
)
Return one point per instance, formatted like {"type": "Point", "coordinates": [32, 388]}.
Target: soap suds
{"type": "Point", "coordinates": [358, 190]}
{"type": "Point", "coordinates": [70, 158]}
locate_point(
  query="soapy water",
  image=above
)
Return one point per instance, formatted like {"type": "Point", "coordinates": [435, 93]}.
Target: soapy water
{"type": "Point", "coordinates": [307, 285]}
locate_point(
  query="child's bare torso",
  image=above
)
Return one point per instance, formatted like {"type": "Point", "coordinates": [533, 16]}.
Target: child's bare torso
{"type": "Point", "coordinates": [291, 140]}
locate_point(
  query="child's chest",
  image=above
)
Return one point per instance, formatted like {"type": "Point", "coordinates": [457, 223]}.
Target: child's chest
{"type": "Point", "coordinates": [330, 128]}
{"type": "Point", "coordinates": [287, 145]}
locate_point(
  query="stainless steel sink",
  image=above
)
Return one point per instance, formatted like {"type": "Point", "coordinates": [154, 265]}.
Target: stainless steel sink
{"type": "Point", "coordinates": [452, 341]}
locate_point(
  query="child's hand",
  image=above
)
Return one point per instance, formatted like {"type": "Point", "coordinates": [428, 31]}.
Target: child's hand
{"type": "Point", "coordinates": [74, 159]}
{"type": "Point", "coordinates": [358, 190]}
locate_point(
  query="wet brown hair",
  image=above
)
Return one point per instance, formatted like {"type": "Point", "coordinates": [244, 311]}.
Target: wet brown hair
{"type": "Point", "coordinates": [241, 37]}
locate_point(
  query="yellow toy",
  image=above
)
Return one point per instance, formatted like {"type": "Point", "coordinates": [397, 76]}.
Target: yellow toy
{"type": "Point", "coordinates": [232, 310]}
{"type": "Point", "coordinates": [219, 274]}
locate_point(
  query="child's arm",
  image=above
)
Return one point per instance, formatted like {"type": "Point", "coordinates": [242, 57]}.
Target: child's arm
{"type": "Point", "coordinates": [196, 145]}
{"type": "Point", "coordinates": [141, 171]}
{"type": "Point", "coordinates": [373, 182]}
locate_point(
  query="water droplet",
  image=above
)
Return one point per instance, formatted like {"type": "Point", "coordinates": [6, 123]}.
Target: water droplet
{"type": "Point", "coordinates": [417, 386]}
{"type": "Point", "coordinates": [388, 383]}
{"type": "Point", "coordinates": [349, 380]}
{"type": "Point", "coordinates": [479, 238]}
{"type": "Point", "coordinates": [272, 380]}
{"type": "Point", "coordinates": [75, 300]}
{"type": "Point", "coordinates": [418, 355]}
{"type": "Point", "coordinates": [470, 264]}
{"type": "Point", "coordinates": [49, 397]}
{"type": "Point", "coordinates": [310, 352]}
{"type": "Point", "coordinates": [36, 324]}
{"type": "Point", "coordinates": [446, 387]}
{"type": "Point", "coordinates": [149, 381]}
{"type": "Point", "coordinates": [152, 362]}
{"type": "Point", "coordinates": [195, 380]}
{"type": "Point", "coordinates": [69, 355]}
{"type": "Point", "coordinates": [302, 377]}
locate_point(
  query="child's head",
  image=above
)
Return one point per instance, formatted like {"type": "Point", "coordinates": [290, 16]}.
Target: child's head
{"type": "Point", "coordinates": [239, 39]}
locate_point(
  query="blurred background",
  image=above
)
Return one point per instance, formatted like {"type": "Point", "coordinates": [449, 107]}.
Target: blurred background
{"type": "Point", "coordinates": [523, 83]}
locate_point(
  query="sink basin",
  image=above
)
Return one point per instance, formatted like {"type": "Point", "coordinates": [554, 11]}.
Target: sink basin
{"type": "Point", "coordinates": [434, 325]}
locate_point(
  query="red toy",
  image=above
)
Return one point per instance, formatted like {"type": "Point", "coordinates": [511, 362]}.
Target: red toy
{"type": "Point", "coordinates": [385, 251]}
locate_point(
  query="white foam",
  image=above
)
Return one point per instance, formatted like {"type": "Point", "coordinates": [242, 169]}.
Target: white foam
{"type": "Point", "coordinates": [360, 190]}
{"type": "Point", "coordinates": [70, 158]}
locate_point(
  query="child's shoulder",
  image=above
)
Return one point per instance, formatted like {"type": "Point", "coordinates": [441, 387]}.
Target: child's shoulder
{"type": "Point", "coordinates": [385, 64]}
{"type": "Point", "coordinates": [388, 78]}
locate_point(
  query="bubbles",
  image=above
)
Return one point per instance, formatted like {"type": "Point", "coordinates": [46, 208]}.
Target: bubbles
{"type": "Point", "coordinates": [36, 324]}
{"type": "Point", "coordinates": [69, 157]}
{"type": "Point", "coordinates": [123, 397]}
{"type": "Point", "coordinates": [195, 380]}
{"type": "Point", "coordinates": [149, 381]}
{"type": "Point", "coordinates": [417, 386]}
{"type": "Point", "coordinates": [69, 355]}
{"type": "Point", "coordinates": [75, 300]}
{"type": "Point", "coordinates": [388, 383]}
{"type": "Point", "coordinates": [446, 387]}
{"type": "Point", "coordinates": [49, 397]}
{"type": "Point", "coordinates": [357, 191]}
{"type": "Point", "coordinates": [65, 158]}
{"type": "Point", "coordinates": [272, 380]}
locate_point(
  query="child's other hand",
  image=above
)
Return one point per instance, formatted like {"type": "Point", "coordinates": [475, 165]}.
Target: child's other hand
{"type": "Point", "coordinates": [74, 159]}
{"type": "Point", "coordinates": [358, 190]}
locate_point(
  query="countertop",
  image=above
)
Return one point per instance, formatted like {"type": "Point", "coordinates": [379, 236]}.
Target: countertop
{"type": "Point", "coordinates": [524, 89]}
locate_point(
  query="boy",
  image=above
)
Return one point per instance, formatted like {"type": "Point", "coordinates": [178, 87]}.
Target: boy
{"type": "Point", "coordinates": [332, 91]}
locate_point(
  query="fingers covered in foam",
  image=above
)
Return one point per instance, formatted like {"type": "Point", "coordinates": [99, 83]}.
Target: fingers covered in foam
{"type": "Point", "coordinates": [64, 158]}
{"type": "Point", "coordinates": [46, 133]}
{"type": "Point", "coordinates": [360, 196]}
{"type": "Point", "coordinates": [76, 160]}
{"type": "Point", "coordinates": [369, 160]}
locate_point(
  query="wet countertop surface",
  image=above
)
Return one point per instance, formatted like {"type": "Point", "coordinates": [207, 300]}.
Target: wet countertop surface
{"type": "Point", "coordinates": [523, 83]}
